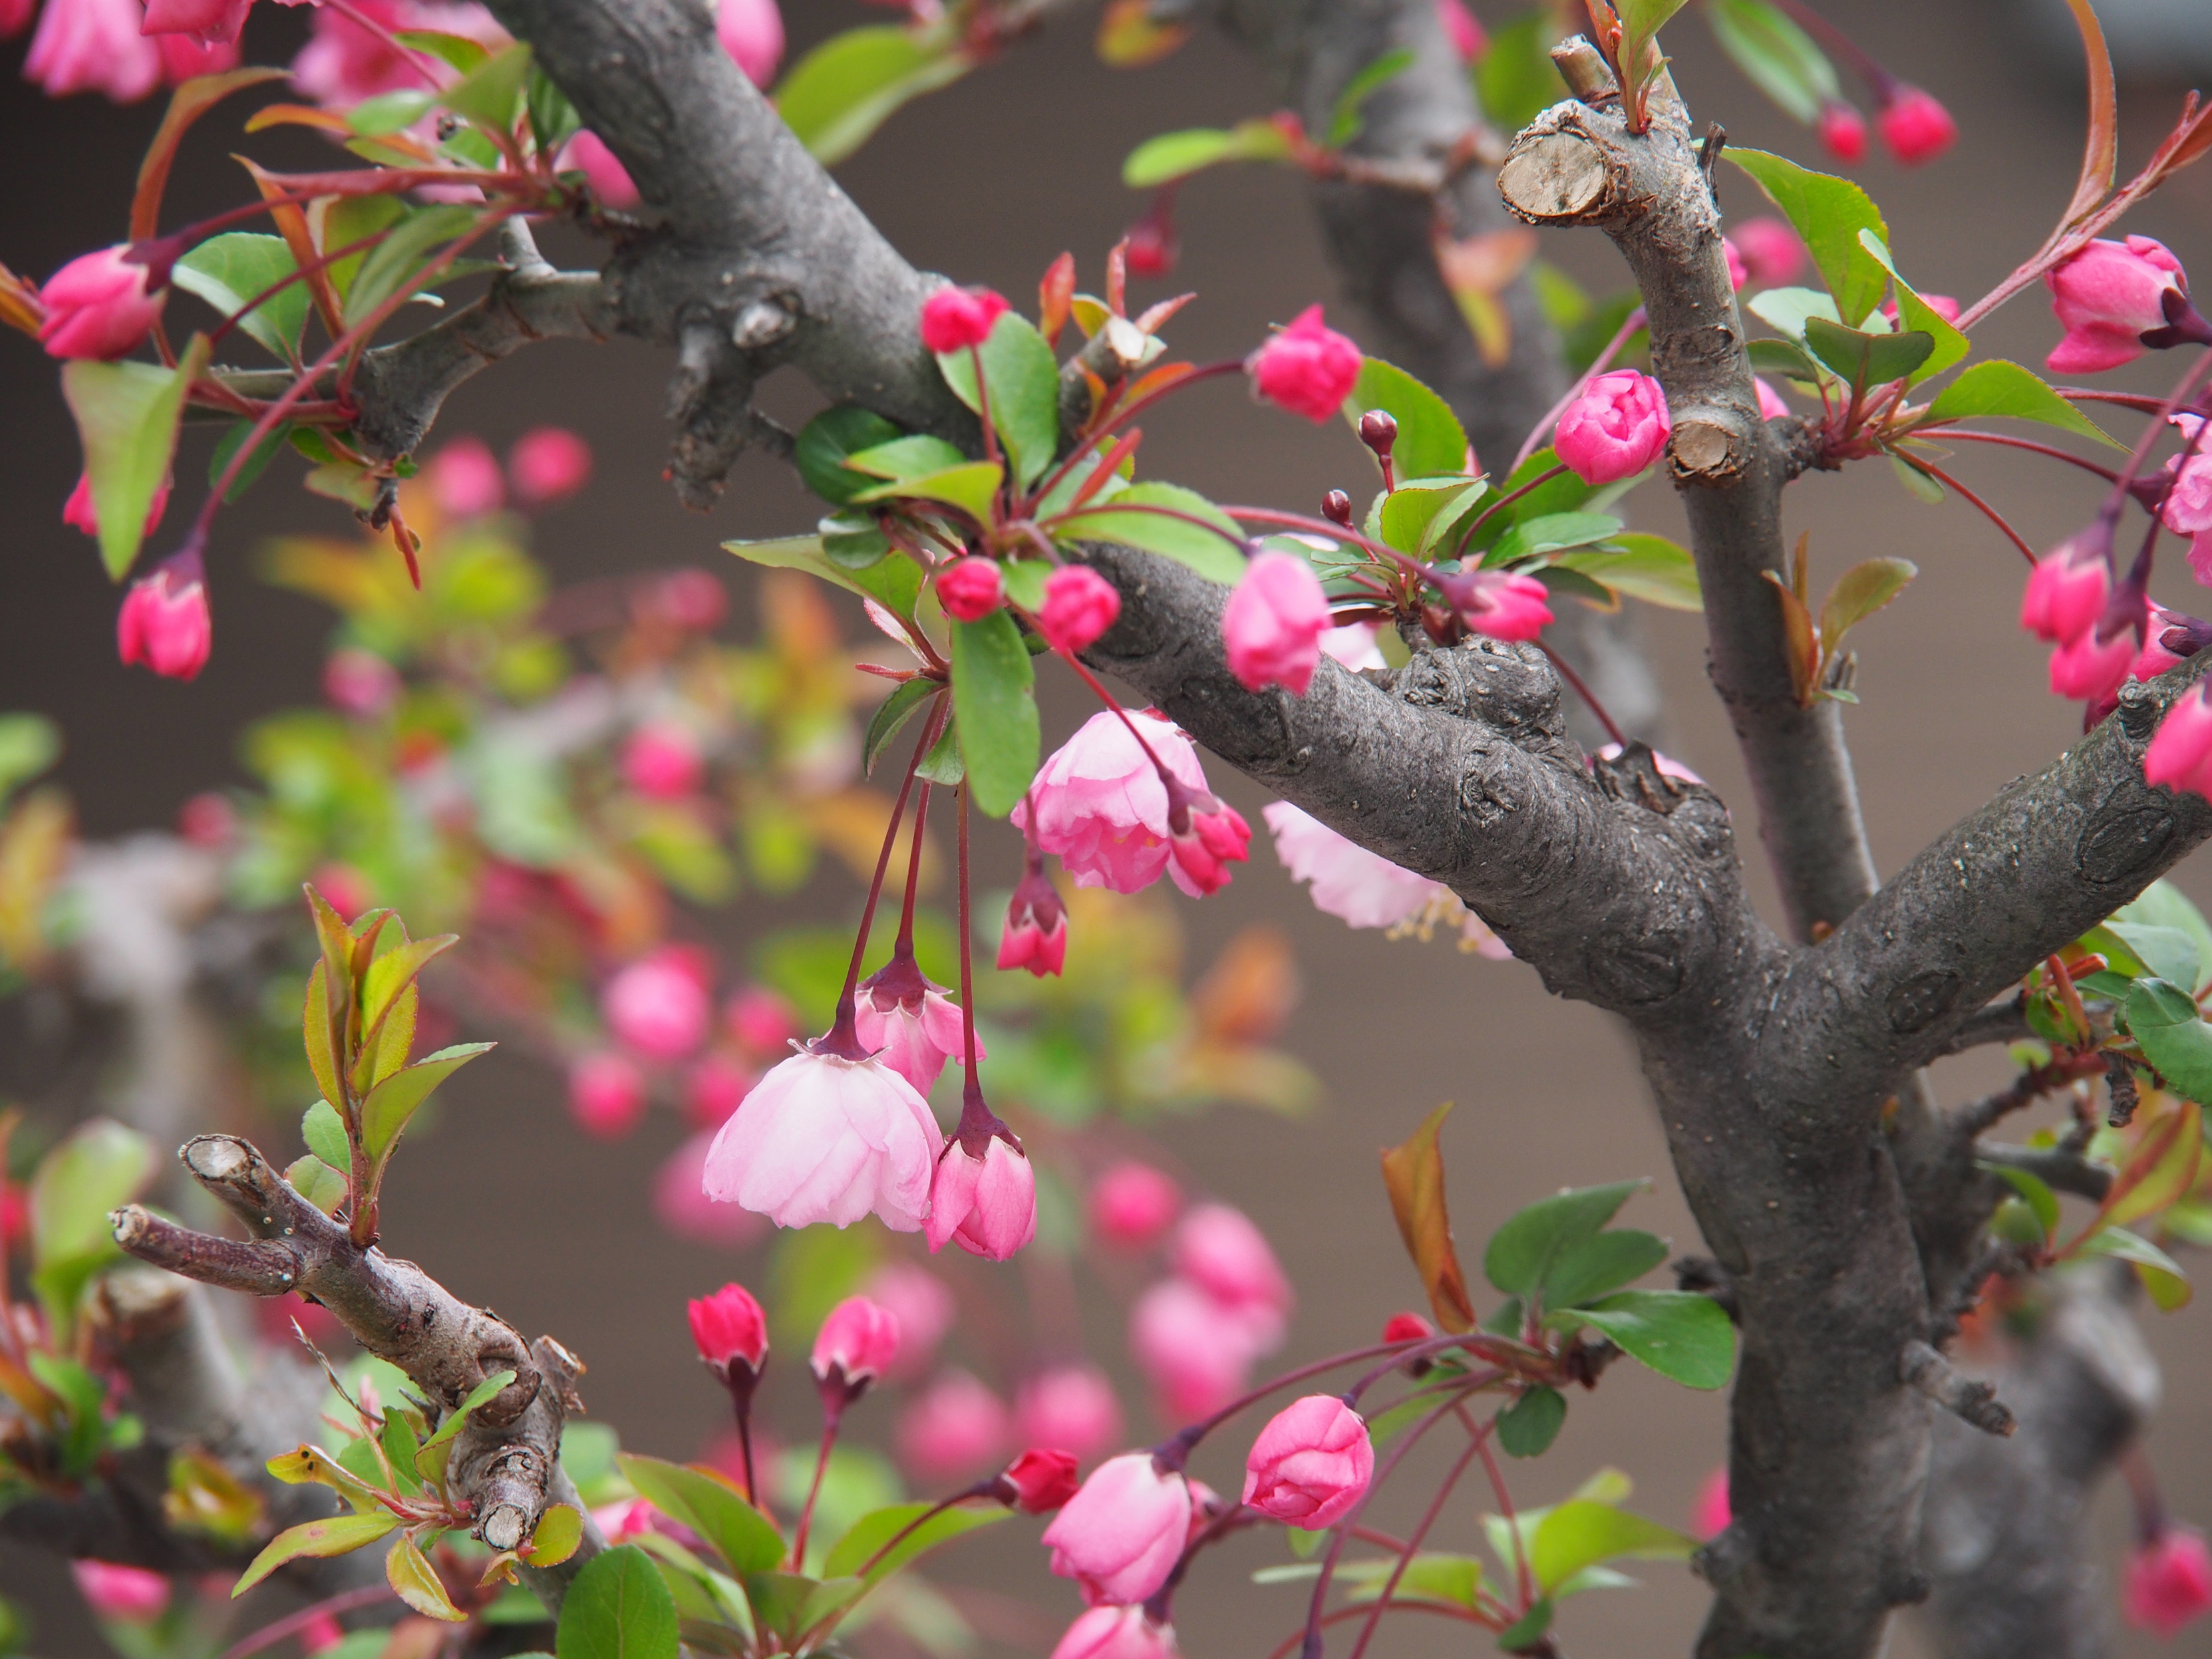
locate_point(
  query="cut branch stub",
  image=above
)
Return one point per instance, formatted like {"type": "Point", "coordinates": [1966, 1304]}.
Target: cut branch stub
{"type": "Point", "coordinates": [1556, 178]}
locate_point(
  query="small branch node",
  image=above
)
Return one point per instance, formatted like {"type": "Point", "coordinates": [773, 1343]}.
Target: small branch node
{"type": "Point", "coordinates": [1583, 69]}
{"type": "Point", "coordinates": [1921, 1367]}
{"type": "Point", "coordinates": [764, 323]}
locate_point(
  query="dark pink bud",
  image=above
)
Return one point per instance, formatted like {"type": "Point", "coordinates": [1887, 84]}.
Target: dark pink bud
{"type": "Point", "coordinates": [2180, 752]}
{"type": "Point", "coordinates": [1771, 252]}
{"type": "Point", "coordinates": [96, 305]}
{"type": "Point", "coordinates": [463, 479]}
{"type": "Point", "coordinates": [1205, 835]}
{"type": "Point", "coordinates": [1462, 30]}
{"type": "Point", "coordinates": [79, 513]}
{"type": "Point", "coordinates": [1916, 127]}
{"type": "Point", "coordinates": [207, 21]}
{"type": "Point", "coordinates": [1504, 604]}
{"type": "Point", "coordinates": [2067, 590]}
{"type": "Point", "coordinates": [1336, 508]}
{"type": "Point", "coordinates": [954, 319]}
{"type": "Point", "coordinates": [971, 589]}
{"type": "Point", "coordinates": [606, 1096]}
{"type": "Point", "coordinates": [2107, 297]}
{"type": "Point", "coordinates": [983, 1201]}
{"type": "Point", "coordinates": [1038, 1481]}
{"type": "Point", "coordinates": [1151, 246]}
{"type": "Point", "coordinates": [1378, 430]}
{"type": "Point", "coordinates": [129, 1596]}
{"type": "Point", "coordinates": [1843, 132]}
{"type": "Point", "coordinates": [730, 1330]}
{"type": "Point", "coordinates": [1079, 606]}
{"type": "Point", "coordinates": [1311, 1464]}
{"type": "Point", "coordinates": [662, 761]}
{"type": "Point", "coordinates": [856, 1345]}
{"type": "Point", "coordinates": [1271, 627]}
{"type": "Point", "coordinates": [2169, 1578]}
{"type": "Point", "coordinates": [1614, 428]}
{"type": "Point", "coordinates": [1132, 1204]}
{"type": "Point", "coordinates": [1708, 1515]}
{"type": "Point", "coordinates": [1307, 368]}
{"type": "Point", "coordinates": [164, 623]}
{"type": "Point", "coordinates": [1407, 1327]}
{"type": "Point", "coordinates": [2090, 670]}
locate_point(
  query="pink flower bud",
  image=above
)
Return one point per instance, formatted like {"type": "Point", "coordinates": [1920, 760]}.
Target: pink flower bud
{"type": "Point", "coordinates": [681, 1205]}
{"type": "Point", "coordinates": [1407, 1327]}
{"type": "Point", "coordinates": [1218, 1248]}
{"type": "Point", "coordinates": [1151, 246]}
{"type": "Point", "coordinates": [657, 1006]}
{"type": "Point", "coordinates": [1843, 131]}
{"type": "Point", "coordinates": [1916, 127]}
{"type": "Point", "coordinates": [822, 1139]}
{"type": "Point", "coordinates": [1708, 1515]}
{"type": "Point", "coordinates": [184, 58]}
{"type": "Point", "coordinates": [2090, 670]}
{"type": "Point", "coordinates": [955, 319]}
{"type": "Point", "coordinates": [320, 1634]}
{"type": "Point", "coordinates": [2180, 752]}
{"type": "Point", "coordinates": [856, 1343]}
{"type": "Point", "coordinates": [1739, 272]}
{"type": "Point", "coordinates": [207, 820]}
{"type": "Point", "coordinates": [1036, 936]}
{"type": "Point", "coordinates": [1772, 254]}
{"type": "Point", "coordinates": [547, 465]}
{"type": "Point", "coordinates": [463, 479]}
{"type": "Point", "coordinates": [2067, 590]}
{"type": "Point", "coordinates": [1771, 406]}
{"type": "Point", "coordinates": [760, 1019]}
{"type": "Point", "coordinates": [360, 683]}
{"type": "Point", "coordinates": [1120, 1536]}
{"type": "Point", "coordinates": [662, 761]}
{"type": "Point", "coordinates": [606, 1096]}
{"type": "Point", "coordinates": [164, 623]}
{"type": "Point", "coordinates": [208, 20]}
{"type": "Point", "coordinates": [919, 1300]}
{"type": "Point", "coordinates": [130, 1595]}
{"type": "Point", "coordinates": [1132, 1204]}
{"type": "Point", "coordinates": [345, 887]}
{"type": "Point", "coordinates": [688, 599]}
{"type": "Point", "coordinates": [97, 305]}
{"type": "Point", "coordinates": [729, 1329]}
{"type": "Point", "coordinates": [986, 1205]}
{"type": "Point", "coordinates": [2169, 1579]}
{"type": "Point", "coordinates": [1070, 1406]}
{"type": "Point", "coordinates": [80, 512]}
{"type": "Point", "coordinates": [1616, 429]}
{"type": "Point", "coordinates": [752, 33]}
{"type": "Point", "coordinates": [1099, 804]}
{"type": "Point", "coordinates": [971, 589]}
{"type": "Point", "coordinates": [2107, 297]}
{"type": "Point", "coordinates": [1502, 604]}
{"type": "Point", "coordinates": [713, 1088]}
{"type": "Point", "coordinates": [1272, 623]}
{"type": "Point", "coordinates": [910, 1024]}
{"type": "Point", "coordinates": [93, 45]}
{"type": "Point", "coordinates": [953, 1428]}
{"type": "Point", "coordinates": [1039, 1481]}
{"type": "Point", "coordinates": [1460, 28]}
{"type": "Point", "coordinates": [1214, 837]}
{"type": "Point", "coordinates": [1196, 1353]}
{"type": "Point", "coordinates": [1116, 1632]}
{"type": "Point", "coordinates": [1311, 1464]}
{"type": "Point", "coordinates": [587, 153]}
{"type": "Point", "coordinates": [1079, 606]}
{"type": "Point", "coordinates": [1307, 368]}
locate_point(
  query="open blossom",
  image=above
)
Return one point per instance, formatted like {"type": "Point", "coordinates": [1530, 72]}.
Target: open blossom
{"type": "Point", "coordinates": [1916, 127]}
{"type": "Point", "coordinates": [1099, 804]}
{"type": "Point", "coordinates": [971, 589]}
{"type": "Point", "coordinates": [2107, 297]}
{"type": "Point", "coordinates": [2180, 752]}
{"type": "Point", "coordinates": [913, 1028]}
{"type": "Point", "coordinates": [1308, 367]}
{"type": "Point", "coordinates": [1616, 429]}
{"type": "Point", "coordinates": [1132, 1204]}
{"type": "Point", "coordinates": [1771, 406]}
{"type": "Point", "coordinates": [985, 1205]}
{"type": "Point", "coordinates": [93, 45]}
{"type": "Point", "coordinates": [130, 1595]}
{"type": "Point", "coordinates": [953, 1427]}
{"type": "Point", "coordinates": [1354, 645]}
{"type": "Point", "coordinates": [1843, 131]}
{"type": "Point", "coordinates": [1502, 604]}
{"type": "Point", "coordinates": [184, 58]}
{"type": "Point", "coordinates": [96, 305]}
{"type": "Point", "coordinates": [856, 1343]}
{"type": "Point", "coordinates": [547, 464]}
{"type": "Point", "coordinates": [1070, 1406]}
{"type": "Point", "coordinates": [1196, 1353]}
{"type": "Point", "coordinates": [2187, 509]}
{"type": "Point", "coordinates": [2067, 590]}
{"type": "Point", "coordinates": [1116, 1632]}
{"type": "Point", "coordinates": [2169, 1581]}
{"type": "Point", "coordinates": [1311, 1464]}
{"type": "Point", "coordinates": [606, 1095]}
{"type": "Point", "coordinates": [1120, 1536]}
{"type": "Point", "coordinates": [1272, 623]}
{"type": "Point", "coordinates": [81, 512]}
{"type": "Point", "coordinates": [752, 31]}
{"type": "Point", "coordinates": [659, 1005]}
{"type": "Point", "coordinates": [164, 623]}
{"type": "Point", "coordinates": [1079, 606]}
{"type": "Point", "coordinates": [463, 479]}
{"type": "Point", "coordinates": [1360, 888]}
{"type": "Point", "coordinates": [821, 1139]}
{"type": "Point", "coordinates": [343, 62]}
{"type": "Point", "coordinates": [609, 179]}
{"type": "Point", "coordinates": [1771, 252]}
{"type": "Point", "coordinates": [955, 319]}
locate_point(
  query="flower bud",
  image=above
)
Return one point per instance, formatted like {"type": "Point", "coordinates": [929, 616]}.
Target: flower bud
{"type": "Point", "coordinates": [1336, 508]}
{"type": "Point", "coordinates": [164, 623]}
{"type": "Point", "coordinates": [547, 465]}
{"type": "Point", "coordinates": [1378, 430]}
{"type": "Point", "coordinates": [2169, 1579]}
{"type": "Point", "coordinates": [2067, 590]}
{"type": "Point", "coordinates": [1311, 1464]}
{"type": "Point", "coordinates": [1121, 1534]}
{"type": "Point", "coordinates": [1708, 1515]}
{"type": "Point", "coordinates": [463, 477]}
{"type": "Point", "coordinates": [130, 1596]}
{"type": "Point", "coordinates": [1614, 428]}
{"type": "Point", "coordinates": [1308, 367]}
{"type": "Point", "coordinates": [731, 1332]}
{"type": "Point", "coordinates": [1272, 626]}
{"type": "Point", "coordinates": [1079, 606]}
{"type": "Point", "coordinates": [1071, 1407]}
{"type": "Point", "coordinates": [971, 589]}
{"type": "Point", "coordinates": [856, 1345]}
{"type": "Point", "coordinates": [1132, 1204]}
{"type": "Point", "coordinates": [752, 31]}
{"type": "Point", "coordinates": [2090, 670]}
{"type": "Point", "coordinates": [1038, 1481]}
{"type": "Point", "coordinates": [1151, 246]}
{"type": "Point", "coordinates": [2180, 752]}
{"type": "Point", "coordinates": [1772, 254]}
{"type": "Point", "coordinates": [986, 1205]}
{"type": "Point", "coordinates": [1218, 1249]}
{"type": "Point", "coordinates": [954, 319]}
{"type": "Point", "coordinates": [1036, 936]}
{"type": "Point", "coordinates": [1843, 131]}
{"type": "Point", "coordinates": [1916, 127]}
{"type": "Point", "coordinates": [606, 1096]}
{"type": "Point", "coordinates": [951, 1427]}
{"type": "Point", "coordinates": [1116, 1632]}
{"type": "Point", "coordinates": [2108, 297]}
{"type": "Point", "coordinates": [97, 306]}
{"type": "Point", "coordinates": [659, 1005]}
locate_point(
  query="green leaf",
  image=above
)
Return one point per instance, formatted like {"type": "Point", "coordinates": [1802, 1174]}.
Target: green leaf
{"type": "Point", "coordinates": [944, 765]}
{"type": "Point", "coordinates": [1431, 443]}
{"type": "Point", "coordinates": [1786, 357]}
{"type": "Point", "coordinates": [1866, 360]}
{"type": "Point", "coordinates": [126, 420]}
{"type": "Point", "coordinates": [388, 112]}
{"type": "Point", "coordinates": [973, 487]}
{"type": "Point", "coordinates": [1920, 486]}
{"type": "Point", "coordinates": [1581, 1534]}
{"type": "Point", "coordinates": [840, 92]}
{"type": "Point", "coordinates": [1603, 1262]}
{"type": "Point", "coordinates": [740, 1534]}
{"type": "Point", "coordinates": [1527, 1426]}
{"type": "Point", "coordinates": [1140, 516]}
{"type": "Point", "coordinates": [1516, 79]}
{"type": "Point", "coordinates": [29, 743]}
{"type": "Point", "coordinates": [1024, 380]}
{"type": "Point", "coordinates": [2164, 1020]}
{"type": "Point", "coordinates": [553, 119]}
{"type": "Point", "coordinates": [1421, 509]}
{"type": "Point", "coordinates": [902, 456]}
{"type": "Point", "coordinates": [350, 219]}
{"type": "Point", "coordinates": [392, 972]}
{"type": "Point", "coordinates": [336, 1536]}
{"type": "Point", "coordinates": [430, 1461]}
{"type": "Point", "coordinates": [895, 584]}
{"type": "Point", "coordinates": [2161, 1275]}
{"type": "Point", "coordinates": [1520, 1252]}
{"type": "Point", "coordinates": [101, 1165]}
{"type": "Point", "coordinates": [2002, 388]}
{"type": "Point", "coordinates": [1677, 1333]}
{"type": "Point", "coordinates": [1522, 1632]}
{"type": "Point", "coordinates": [1024, 579]}
{"type": "Point", "coordinates": [2033, 1191]}
{"type": "Point", "coordinates": [229, 270]}
{"type": "Point", "coordinates": [1644, 567]}
{"type": "Point", "coordinates": [1344, 118]}
{"type": "Point", "coordinates": [1828, 213]}
{"type": "Point", "coordinates": [617, 1607]}
{"type": "Point", "coordinates": [825, 441]}
{"type": "Point", "coordinates": [1553, 532]}
{"type": "Point", "coordinates": [1915, 313]}
{"type": "Point", "coordinates": [456, 50]}
{"type": "Point", "coordinates": [405, 250]}
{"type": "Point", "coordinates": [2163, 904]}
{"type": "Point", "coordinates": [415, 1582]}
{"type": "Point", "coordinates": [320, 1183]}
{"type": "Point", "coordinates": [392, 1102]}
{"type": "Point", "coordinates": [555, 1538]}
{"type": "Point", "coordinates": [1641, 21]}
{"type": "Point", "coordinates": [234, 437]}
{"type": "Point", "coordinates": [1173, 155]}
{"type": "Point", "coordinates": [1858, 593]}
{"type": "Point", "coordinates": [890, 715]}
{"type": "Point", "coordinates": [1777, 57]}
{"type": "Point", "coordinates": [1786, 310]}
{"type": "Point", "coordinates": [1000, 741]}
{"type": "Point", "coordinates": [875, 1530]}
{"type": "Point", "coordinates": [490, 94]}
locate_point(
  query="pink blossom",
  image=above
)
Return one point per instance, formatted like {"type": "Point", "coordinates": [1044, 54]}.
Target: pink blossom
{"type": "Point", "coordinates": [1115, 1632]}
{"type": "Point", "coordinates": [80, 512]}
{"type": "Point", "coordinates": [1120, 1535]}
{"type": "Point", "coordinates": [2067, 590]}
{"type": "Point", "coordinates": [1100, 806]}
{"type": "Point", "coordinates": [953, 1427]}
{"type": "Point", "coordinates": [856, 1343]}
{"type": "Point", "coordinates": [606, 1095]}
{"type": "Point", "coordinates": [547, 465]}
{"type": "Point", "coordinates": [1307, 368]}
{"type": "Point", "coordinates": [93, 45]}
{"type": "Point", "coordinates": [184, 58]}
{"type": "Point", "coordinates": [2187, 509]}
{"type": "Point", "coordinates": [1354, 645]}
{"type": "Point", "coordinates": [463, 479]}
{"type": "Point", "coordinates": [14, 17]}
{"type": "Point", "coordinates": [1772, 254]}
{"type": "Point", "coordinates": [207, 820]}
{"type": "Point", "coordinates": [1035, 935]}
{"type": "Point", "coordinates": [680, 1201]}
{"type": "Point", "coordinates": [2180, 752]}
{"type": "Point", "coordinates": [587, 153]}
{"type": "Point", "coordinates": [2107, 297]}
{"type": "Point", "coordinates": [971, 589]}
{"type": "Point", "coordinates": [1070, 1406]}
{"type": "Point", "coordinates": [1151, 246]}
{"type": "Point", "coordinates": [320, 1634]}
{"type": "Point", "coordinates": [690, 599]}
{"type": "Point", "coordinates": [1039, 1481]}
{"type": "Point", "coordinates": [955, 319]}
{"type": "Point", "coordinates": [1079, 606]}
{"type": "Point", "coordinates": [1213, 836]}
{"type": "Point", "coordinates": [760, 1020]}
{"type": "Point", "coordinates": [1616, 429]}
{"type": "Point", "coordinates": [1272, 623]}
{"type": "Point", "coordinates": [207, 21]}
{"type": "Point", "coordinates": [713, 1088]}
{"type": "Point", "coordinates": [1311, 1464]}
{"type": "Point", "coordinates": [1360, 888]}
{"type": "Point", "coordinates": [2090, 670]}
{"type": "Point", "coordinates": [662, 761]}
{"type": "Point", "coordinates": [1407, 1327]}
{"type": "Point", "coordinates": [164, 623]}
{"type": "Point", "coordinates": [1708, 1515]}
{"type": "Point", "coordinates": [343, 63]}
{"type": "Point", "coordinates": [345, 887]}
{"type": "Point", "coordinates": [1502, 604]}
{"type": "Point", "coordinates": [1739, 273]}
{"type": "Point", "coordinates": [1941, 304]}
{"type": "Point", "coordinates": [96, 305]}
{"type": "Point", "coordinates": [1843, 131]}
{"type": "Point", "coordinates": [986, 1205]}
{"type": "Point", "coordinates": [919, 1300]}
{"type": "Point", "coordinates": [821, 1139]}
{"type": "Point", "coordinates": [1195, 1352]}
{"type": "Point", "coordinates": [1132, 1204]}
{"type": "Point", "coordinates": [360, 683]}
{"type": "Point", "coordinates": [658, 1004]}
{"type": "Point", "coordinates": [1771, 406]}
{"type": "Point", "coordinates": [1461, 29]}
{"type": "Point", "coordinates": [729, 1329]}
{"type": "Point", "coordinates": [1218, 1248]}
{"type": "Point", "coordinates": [2169, 1581]}
{"type": "Point", "coordinates": [752, 33]}
{"type": "Point", "coordinates": [912, 1030]}
{"type": "Point", "coordinates": [130, 1595]}
{"type": "Point", "coordinates": [1916, 127]}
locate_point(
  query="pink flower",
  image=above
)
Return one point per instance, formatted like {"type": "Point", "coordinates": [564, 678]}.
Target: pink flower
{"type": "Point", "coordinates": [1132, 1204]}
{"type": "Point", "coordinates": [184, 58]}
{"type": "Point", "coordinates": [2155, 659]}
{"type": "Point", "coordinates": [1120, 1535]}
{"type": "Point", "coordinates": [463, 479]}
{"type": "Point", "coordinates": [2089, 670]}
{"type": "Point", "coordinates": [1772, 254]}
{"type": "Point", "coordinates": [955, 319]}
{"type": "Point", "coordinates": [1708, 1515]}
{"type": "Point", "coordinates": [918, 1299]}
{"type": "Point", "coordinates": [2187, 509]}
{"type": "Point", "coordinates": [1461, 29]}
{"type": "Point", "coordinates": [729, 1329]}
{"type": "Point", "coordinates": [1739, 272]}
{"type": "Point", "coordinates": [856, 1343]}
{"type": "Point", "coordinates": [130, 1595]}
{"type": "Point", "coordinates": [80, 512]}
{"type": "Point", "coordinates": [2107, 297]}
{"type": "Point", "coordinates": [1616, 429]}
{"type": "Point", "coordinates": [320, 1634]}
{"type": "Point", "coordinates": [953, 1427]}
{"type": "Point", "coordinates": [93, 45]}
{"type": "Point", "coordinates": [658, 1004]}
{"type": "Point", "coordinates": [1311, 1464]}
{"type": "Point", "coordinates": [1771, 406]}
{"type": "Point", "coordinates": [1916, 127]}
{"type": "Point", "coordinates": [1272, 623]}
{"type": "Point", "coordinates": [1116, 1632]}
{"type": "Point", "coordinates": [207, 21]}
{"type": "Point", "coordinates": [662, 761]}
{"type": "Point", "coordinates": [760, 1020]}
{"type": "Point", "coordinates": [986, 1205]}
{"type": "Point", "coordinates": [1218, 1248]}
{"type": "Point", "coordinates": [1502, 604]}
{"type": "Point", "coordinates": [547, 464]}
{"type": "Point", "coordinates": [1941, 304]}
{"type": "Point", "coordinates": [1212, 836]}
{"type": "Point", "coordinates": [1307, 368]}
{"type": "Point", "coordinates": [1036, 936]}
{"type": "Point", "coordinates": [14, 16]}
{"type": "Point", "coordinates": [343, 62]}
{"type": "Point", "coordinates": [688, 599]}
{"type": "Point", "coordinates": [971, 589]}
{"type": "Point", "coordinates": [1039, 1481]}
{"type": "Point", "coordinates": [1099, 805]}
{"type": "Point", "coordinates": [752, 33]}
{"type": "Point", "coordinates": [2169, 1581]}
{"type": "Point", "coordinates": [1070, 1406]}
{"type": "Point", "coordinates": [2180, 752]}
{"type": "Point", "coordinates": [96, 304]}
{"type": "Point", "coordinates": [207, 820]}
{"type": "Point", "coordinates": [681, 1204]}
{"type": "Point", "coordinates": [911, 1029]}
{"type": "Point", "coordinates": [164, 623]}
{"type": "Point", "coordinates": [1360, 888]}
{"type": "Point", "coordinates": [2067, 590]}
{"type": "Point", "coordinates": [821, 1138]}
{"type": "Point", "coordinates": [1151, 247]}
{"type": "Point", "coordinates": [360, 683]}
{"type": "Point", "coordinates": [1354, 645]}
{"type": "Point", "coordinates": [1195, 1352]}
{"type": "Point", "coordinates": [1843, 131]}
{"type": "Point", "coordinates": [602, 170]}
{"type": "Point", "coordinates": [1079, 606]}
{"type": "Point", "coordinates": [606, 1096]}
{"type": "Point", "coordinates": [713, 1088]}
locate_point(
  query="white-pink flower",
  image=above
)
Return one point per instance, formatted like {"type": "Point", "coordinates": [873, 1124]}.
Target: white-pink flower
{"type": "Point", "coordinates": [1197, 1352]}
{"type": "Point", "coordinates": [913, 1036]}
{"type": "Point", "coordinates": [986, 1205]}
{"type": "Point", "coordinates": [1122, 1534]}
{"type": "Point", "coordinates": [1100, 806]}
{"type": "Point", "coordinates": [2187, 509]}
{"type": "Point", "coordinates": [821, 1138]}
{"type": "Point", "coordinates": [1360, 888]}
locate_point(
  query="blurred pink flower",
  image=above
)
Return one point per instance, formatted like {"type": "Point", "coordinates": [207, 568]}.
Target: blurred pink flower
{"type": "Point", "coordinates": [681, 1203]}
{"type": "Point", "coordinates": [1772, 255]}
{"type": "Point", "coordinates": [1354, 645]}
{"type": "Point", "coordinates": [1360, 888]}
{"type": "Point", "coordinates": [1070, 1406]}
{"type": "Point", "coordinates": [956, 318]}
{"type": "Point", "coordinates": [2089, 670]}
{"type": "Point", "coordinates": [1112, 1631]}
{"type": "Point", "coordinates": [752, 33]}
{"type": "Point", "coordinates": [93, 45]}
{"type": "Point", "coordinates": [130, 1595]}
{"type": "Point", "coordinates": [2187, 509]}
{"type": "Point", "coordinates": [1916, 127]}
{"type": "Point", "coordinates": [606, 1095]}
{"type": "Point", "coordinates": [659, 1005]}
{"type": "Point", "coordinates": [760, 1019]}
{"type": "Point", "coordinates": [1218, 1249]}
{"type": "Point", "coordinates": [1132, 1204]}
{"type": "Point", "coordinates": [1771, 406]}
{"type": "Point", "coordinates": [343, 63]}
{"type": "Point", "coordinates": [1709, 1515]}
{"type": "Point", "coordinates": [2180, 752]}
{"type": "Point", "coordinates": [954, 1427]}
{"type": "Point", "coordinates": [661, 761]}
{"type": "Point", "coordinates": [360, 683]}
{"type": "Point", "coordinates": [1079, 606]}
{"type": "Point", "coordinates": [164, 623]}
{"type": "Point", "coordinates": [206, 20]}
{"type": "Point", "coordinates": [79, 513]}
{"type": "Point", "coordinates": [463, 479]}
{"type": "Point", "coordinates": [2169, 1581]}
{"type": "Point", "coordinates": [1462, 30]}
{"type": "Point", "coordinates": [609, 179]}
{"type": "Point", "coordinates": [921, 1303]}
{"type": "Point", "coordinates": [547, 465]}
{"type": "Point", "coordinates": [96, 305]}
{"type": "Point", "coordinates": [713, 1088]}
{"type": "Point", "coordinates": [1197, 1354]}
{"type": "Point", "coordinates": [821, 1138]}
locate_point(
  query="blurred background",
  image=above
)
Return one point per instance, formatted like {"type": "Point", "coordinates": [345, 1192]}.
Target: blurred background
{"type": "Point", "coordinates": [511, 1206]}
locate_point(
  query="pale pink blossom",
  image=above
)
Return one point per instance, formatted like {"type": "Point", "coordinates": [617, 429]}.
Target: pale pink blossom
{"type": "Point", "coordinates": [360, 683]}
{"type": "Point", "coordinates": [548, 464]}
{"type": "Point", "coordinates": [164, 623]}
{"type": "Point", "coordinates": [1360, 888]}
{"type": "Point", "coordinates": [130, 1596]}
{"type": "Point", "coordinates": [1218, 1249]}
{"type": "Point", "coordinates": [680, 1201]}
{"type": "Point", "coordinates": [1120, 1535]}
{"type": "Point", "coordinates": [1272, 626]}
{"type": "Point", "coordinates": [2107, 297]}
{"type": "Point", "coordinates": [752, 33]}
{"type": "Point", "coordinates": [1616, 429]}
{"type": "Point", "coordinates": [606, 1095]}
{"type": "Point", "coordinates": [761, 1021]}
{"type": "Point", "coordinates": [2187, 509]}
{"type": "Point", "coordinates": [93, 45]}
{"type": "Point", "coordinates": [1132, 1204]}
{"type": "Point", "coordinates": [1113, 1631]}
{"type": "Point", "coordinates": [921, 1303]}
{"type": "Point", "coordinates": [343, 63]}
{"type": "Point", "coordinates": [1070, 1406]}
{"type": "Point", "coordinates": [587, 153]}
{"type": "Point", "coordinates": [659, 1005]}
{"type": "Point", "coordinates": [1308, 367]}
{"type": "Point", "coordinates": [953, 1427]}
{"type": "Point", "coordinates": [2169, 1581]}
{"type": "Point", "coordinates": [985, 1205]}
{"type": "Point", "coordinates": [96, 305]}
{"type": "Point", "coordinates": [463, 479]}
{"type": "Point", "coordinates": [1771, 406]}
{"type": "Point", "coordinates": [1311, 1465]}
{"type": "Point", "coordinates": [821, 1139]}
{"type": "Point", "coordinates": [1100, 806]}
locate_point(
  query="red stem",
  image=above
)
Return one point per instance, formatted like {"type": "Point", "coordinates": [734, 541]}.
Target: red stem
{"type": "Point", "coordinates": [1413, 1544]}
{"type": "Point", "coordinates": [1505, 1508]}
{"type": "Point", "coordinates": [833, 1410]}
{"type": "Point", "coordinates": [1459, 548]}
{"type": "Point", "coordinates": [292, 1624]}
{"type": "Point", "coordinates": [846, 999]}
{"type": "Point", "coordinates": [1568, 674]}
{"type": "Point", "coordinates": [2011, 442]}
{"type": "Point", "coordinates": [1534, 440]}
{"type": "Point", "coordinates": [1988, 512]}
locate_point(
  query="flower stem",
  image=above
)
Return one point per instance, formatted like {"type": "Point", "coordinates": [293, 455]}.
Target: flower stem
{"type": "Point", "coordinates": [1505, 1508]}
{"type": "Point", "coordinates": [847, 998]}
{"type": "Point", "coordinates": [1568, 674]}
{"type": "Point", "coordinates": [1459, 548]}
{"type": "Point", "coordinates": [833, 1412]}
{"type": "Point", "coordinates": [1534, 440]}
{"type": "Point", "coordinates": [1420, 1531]}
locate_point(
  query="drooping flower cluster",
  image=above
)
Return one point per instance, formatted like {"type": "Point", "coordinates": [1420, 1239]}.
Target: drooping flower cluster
{"type": "Point", "coordinates": [1102, 804]}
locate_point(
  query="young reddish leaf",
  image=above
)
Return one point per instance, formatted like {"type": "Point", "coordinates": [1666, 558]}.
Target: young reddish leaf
{"type": "Point", "coordinates": [292, 225]}
{"type": "Point", "coordinates": [336, 1536]}
{"type": "Point", "coordinates": [1129, 38]}
{"type": "Point", "coordinates": [1413, 1174]}
{"type": "Point", "coordinates": [191, 100]}
{"type": "Point", "coordinates": [1154, 317]}
{"type": "Point", "coordinates": [2162, 1168]}
{"type": "Point", "coordinates": [2100, 156]}
{"type": "Point", "coordinates": [385, 1114]}
{"type": "Point", "coordinates": [1056, 294]}
{"type": "Point", "coordinates": [1804, 647]}
{"type": "Point", "coordinates": [1858, 593]}
{"type": "Point", "coordinates": [315, 1028]}
{"type": "Point", "coordinates": [416, 1582]}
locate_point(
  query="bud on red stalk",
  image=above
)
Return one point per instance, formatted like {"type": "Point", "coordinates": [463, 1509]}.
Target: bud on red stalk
{"type": "Point", "coordinates": [1037, 1481]}
{"type": "Point", "coordinates": [1336, 508]}
{"type": "Point", "coordinates": [732, 1334]}
{"type": "Point", "coordinates": [971, 589]}
{"type": "Point", "coordinates": [856, 1345]}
